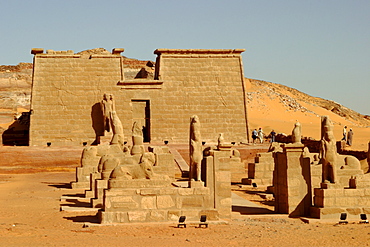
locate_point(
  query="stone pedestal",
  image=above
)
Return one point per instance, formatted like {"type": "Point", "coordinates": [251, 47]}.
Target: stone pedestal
{"type": "Point", "coordinates": [100, 186]}
{"type": "Point", "coordinates": [292, 182]}
{"type": "Point", "coordinates": [333, 199]}
{"type": "Point", "coordinates": [331, 202]}
{"type": "Point", "coordinates": [193, 184]}
{"type": "Point", "coordinates": [261, 172]}
{"type": "Point", "coordinates": [217, 178]}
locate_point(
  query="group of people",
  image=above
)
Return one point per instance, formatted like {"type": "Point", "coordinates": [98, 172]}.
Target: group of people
{"type": "Point", "coordinates": [258, 135]}
{"type": "Point", "coordinates": [347, 136]}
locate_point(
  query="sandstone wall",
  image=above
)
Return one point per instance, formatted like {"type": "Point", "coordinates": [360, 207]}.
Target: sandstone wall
{"type": "Point", "coordinates": [68, 87]}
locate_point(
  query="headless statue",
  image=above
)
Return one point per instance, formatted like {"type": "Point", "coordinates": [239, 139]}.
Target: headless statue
{"type": "Point", "coordinates": [137, 140]}
{"type": "Point", "coordinates": [328, 152]}
{"type": "Point", "coordinates": [118, 136]}
{"type": "Point", "coordinates": [195, 148]}
{"type": "Point", "coordinates": [107, 107]}
{"type": "Point", "coordinates": [297, 133]}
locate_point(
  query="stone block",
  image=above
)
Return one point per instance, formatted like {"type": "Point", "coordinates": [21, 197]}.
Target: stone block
{"type": "Point", "coordinates": [165, 201]}
{"type": "Point", "coordinates": [223, 189]}
{"type": "Point", "coordinates": [97, 202]}
{"type": "Point", "coordinates": [366, 210]}
{"type": "Point", "coordinates": [224, 213]}
{"type": "Point", "coordinates": [354, 211]}
{"type": "Point", "coordinates": [331, 201]}
{"type": "Point", "coordinates": [211, 214]}
{"type": "Point", "coordinates": [186, 191]}
{"type": "Point", "coordinates": [157, 215]}
{"type": "Point", "coordinates": [149, 192]}
{"type": "Point", "coordinates": [328, 213]}
{"type": "Point", "coordinates": [364, 201]}
{"type": "Point", "coordinates": [112, 217]}
{"type": "Point", "coordinates": [201, 191]}
{"type": "Point", "coordinates": [222, 176]}
{"type": "Point", "coordinates": [137, 216]}
{"type": "Point", "coordinates": [354, 192]}
{"type": "Point", "coordinates": [169, 191]}
{"type": "Point", "coordinates": [173, 215]}
{"type": "Point", "coordinates": [344, 201]}
{"type": "Point", "coordinates": [226, 202]}
{"type": "Point", "coordinates": [122, 203]}
{"type": "Point", "coordinates": [190, 214]}
{"type": "Point", "coordinates": [148, 202]}
{"type": "Point", "coordinates": [191, 201]}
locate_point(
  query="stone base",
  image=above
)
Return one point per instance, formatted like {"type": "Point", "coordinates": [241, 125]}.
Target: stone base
{"type": "Point", "coordinates": [156, 216]}
{"type": "Point", "coordinates": [353, 214]}
{"type": "Point", "coordinates": [80, 185]}
{"type": "Point", "coordinates": [196, 184]}
{"type": "Point", "coordinates": [89, 194]}
{"type": "Point", "coordinates": [331, 186]}
{"type": "Point", "coordinates": [97, 202]}
{"type": "Point", "coordinates": [139, 183]}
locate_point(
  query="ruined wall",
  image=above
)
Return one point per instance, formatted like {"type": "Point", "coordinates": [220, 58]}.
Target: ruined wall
{"type": "Point", "coordinates": [67, 88]}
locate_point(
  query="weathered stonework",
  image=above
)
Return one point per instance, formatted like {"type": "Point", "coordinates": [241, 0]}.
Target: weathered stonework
{"type": "Point", "coordinates": [157, 200]}
{"type": "Point", "coordinates": [67, 90]}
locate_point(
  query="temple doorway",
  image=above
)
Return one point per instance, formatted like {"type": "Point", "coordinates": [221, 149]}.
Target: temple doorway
{"type": "Point", "coordinates": [141, 115]}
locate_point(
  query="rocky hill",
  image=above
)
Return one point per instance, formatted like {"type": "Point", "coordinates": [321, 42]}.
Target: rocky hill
{"type": "Point", "coordinates": [262, 94]}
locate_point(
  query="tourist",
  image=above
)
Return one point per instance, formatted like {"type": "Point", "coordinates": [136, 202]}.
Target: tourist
{"type": "Point", "coordinates": [260, 135]}
{"type": "Point", "coordinates": [349, 137]}
{"type": "Point", "coordinates": [272, 134]}
{"type": "Point", "coordinates": [344, 134]}
{"type": "Point", "coordinates": [254, 135]}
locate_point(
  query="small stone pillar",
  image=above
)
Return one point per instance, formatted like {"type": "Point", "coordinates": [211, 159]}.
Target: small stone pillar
{"type": "Point", "coordinates": [292, 182]}
{"type": "Point", "coordinates": [217, 176]}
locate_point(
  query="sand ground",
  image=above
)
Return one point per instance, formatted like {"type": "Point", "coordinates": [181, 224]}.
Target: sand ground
{"type": "Point", "coordinates": [30, 214]}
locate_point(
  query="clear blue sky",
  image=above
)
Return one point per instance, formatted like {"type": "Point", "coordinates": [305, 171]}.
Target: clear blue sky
{"type": "Point", "coordinates": [320, 47]}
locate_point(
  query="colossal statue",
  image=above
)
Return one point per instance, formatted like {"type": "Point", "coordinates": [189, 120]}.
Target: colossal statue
{"type": "Point", "coordinates": [195, 149]}
{"type": "Point", "coordinates": [328, 152]}
{"type": "Point", "coordinates": [107, 107]}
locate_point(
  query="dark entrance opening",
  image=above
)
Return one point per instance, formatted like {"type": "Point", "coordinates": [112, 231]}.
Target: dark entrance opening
{"type": "Point", "coordinates": [141, 115]}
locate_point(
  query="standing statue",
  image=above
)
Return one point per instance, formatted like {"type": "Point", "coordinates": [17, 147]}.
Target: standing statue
{"type": "Point", "coordinates": [107, 107]}
{"type": "Point", "coordinates": [328, 152]}
{"type": "Point", "coordinates": [297, 133]}
{"type": "Point", "coordinates": [220, 140]}
{"type": "Point", "coordinates": [137, 140]}
{"type": "Point", "coordinates": [195, 149]}
{"type": "Point", "coordinates": [116, 124]}
{"type": "Point", "coordinates": [118, 136]}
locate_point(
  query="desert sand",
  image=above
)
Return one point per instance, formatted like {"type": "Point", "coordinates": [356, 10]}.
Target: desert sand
{"type": "Point", "coordinates": [30, 215]}
{"type": "Point", "coordinates": [32, 180]}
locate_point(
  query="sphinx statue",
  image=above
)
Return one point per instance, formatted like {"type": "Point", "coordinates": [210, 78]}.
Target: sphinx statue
{"type": "Point", "coordinates": [143, 170]}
